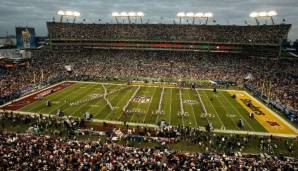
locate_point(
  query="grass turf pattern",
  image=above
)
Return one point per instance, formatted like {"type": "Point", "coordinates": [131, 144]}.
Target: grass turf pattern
{"type": "Point", "coordinates": [219, 108]}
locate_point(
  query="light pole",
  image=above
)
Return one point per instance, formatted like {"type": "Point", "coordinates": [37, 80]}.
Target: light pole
{"type": "Point", "coordinates": [141, 15]}
{"type": "Point", "coordinates": [129, 15]}
{"type": "Point", "coordinates": [180, 15]}
{"type": "Point", "coordinates": [207, 16]}
{"type": "Point", "coordinates": [194, 16]}
{"type": "Point", "coordinates": [116, 15]}
{"type": "Point", "coordinates": [73, 14]}
{"type": "Point", "coordinates": [263, 14]}
{"type": "Point", "coordinates": [76, 14]}
{"type": "Point", "coordinates": [61, 14]}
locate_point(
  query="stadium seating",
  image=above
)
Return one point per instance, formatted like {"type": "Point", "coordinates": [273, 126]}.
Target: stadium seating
{"type": "Point", "coordinates": [265, 34]}
{"type": "Point", "coordinates": [274, 78]}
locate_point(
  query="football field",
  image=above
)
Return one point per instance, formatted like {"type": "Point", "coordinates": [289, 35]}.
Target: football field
{"type": "Point", "coordinates": [151, 104]}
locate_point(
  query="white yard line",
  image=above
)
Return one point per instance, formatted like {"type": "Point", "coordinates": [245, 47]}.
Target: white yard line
{"type": "Point", "coordinates": [100, 111]}
{"type": "Point", "coordinates": [108, 114]}
{"type": "Point", "coordinates": [133, 114]}
{"type": "Point", "coordinates": [222, 124]}
{"type": "Point", "coordinates": [161, 99]}
{"type": "Point", "coordinates": [201, 101]}
{"type": "Point", "coordinates": [81, 106]}
{"type": "Point", "coordinates": [149, 105]}
{"type": "Point", "coordinates": [193, 112]}
{"type": "Point", "coordinates": [181, 107]}
{"type": "Point", "coordinates": [123, 99]}
{"type": "Point", "coordinates": [254, 133]}
{"type": "Point", "coordinates": [155, 126]}
{"type": "Point", "coordinates": [237, 111]}
{"type": "Point", "coordinates": [235, 90]}
{"type": "Point", "coordinates": [203, 105]}
{"type": "Point", "coordinates": [160, 104]}
{"type": "Point", "coordinates": [226, 112]}
{"type": "Point", "coordinates": [134, 94]}
{"type": "Point", "coordinates": [105, 97]}
{"type": "Point", "coordinates": [170, 114]}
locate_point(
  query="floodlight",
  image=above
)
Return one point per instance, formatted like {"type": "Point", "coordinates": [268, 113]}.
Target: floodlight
{"type": "Point", "coordinates": [115, 14]}
{"type": "Point", "coordinates": [190, 14]}
{"type": "Point", "coordinates": [254, 14]}
{"type": "Point", "coordinates": [208, 15]}
{"type": "Point", "coordinates": [76, 14]}
{"type": "Point", "coordinates": [132, 14]}
{"type": "Point", "coordinates": [181, 14]}
{"type": "Point", "coordinates": [69, 13]}
{"type": "Point", "coordinates": [140, 14]}
{"type": "Point", "coordinates": [199, 14]}
{"type": "Point", "coordinates": [263, 14]}
{"type": "Point", "coordinates": [272, 13]}
{"type": "Point", "coordinates": [60, 12]}
{"type": "Point", "coordinates": [123, 14]}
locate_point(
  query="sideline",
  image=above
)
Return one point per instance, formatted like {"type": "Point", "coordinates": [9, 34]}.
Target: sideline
{"type": "Point", "coordinates": [152, 125]}
{"type": "Point", "coordinates": [33, 93]}
{"type": "Point", "coordinates": [157, 127]}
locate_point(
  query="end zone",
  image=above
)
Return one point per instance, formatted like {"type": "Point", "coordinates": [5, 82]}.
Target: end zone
{"type": "Point", "coordinates": [271, 121]}
{"type": "Point", "coordinates": [30, 98]}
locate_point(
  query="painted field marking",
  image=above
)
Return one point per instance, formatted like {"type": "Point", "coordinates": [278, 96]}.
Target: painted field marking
{"type": "Point", "coordinates": [222, 124]}
{"type": "Point", "coordinates": [236, 110]}
{"type": "Point", "coordinates": [149, 103]}
{"type": "Point", "coordinates": [223, 106]}
{"type": "Point", "coordinates": [193, 113]}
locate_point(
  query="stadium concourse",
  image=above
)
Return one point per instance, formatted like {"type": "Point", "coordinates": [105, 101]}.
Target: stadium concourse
{"type": "Point", "coordinates": [218, 57]}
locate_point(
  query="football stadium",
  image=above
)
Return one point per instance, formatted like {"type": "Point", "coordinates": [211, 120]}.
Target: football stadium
{"type": "Point", "coordinates": [139, 94]}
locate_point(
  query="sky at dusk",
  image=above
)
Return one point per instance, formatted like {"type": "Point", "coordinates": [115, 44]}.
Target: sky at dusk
{"type": "Point", "coordinates": [35, 13]}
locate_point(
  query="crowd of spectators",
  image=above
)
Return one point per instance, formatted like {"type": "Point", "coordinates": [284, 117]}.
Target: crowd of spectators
{"type": "Point", "coordinates": [48, 153]}
{"type": "Point", "coordinates": [266, 34]}
{"type": "Point", "coordinates": [276, 79]}
{"type": "Point", "coordinates": [34, 151]}
{"type": "Point", "coordinates": [41, 123]}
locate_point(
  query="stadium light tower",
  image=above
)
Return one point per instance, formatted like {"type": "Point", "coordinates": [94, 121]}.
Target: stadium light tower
{"type": "Point", "coordinates": [61, 14]}
{"type": "Point", "coordinates": [76, 14]}
{"type": "Point", "coordinates": [141, 15]}
{"type": "Point", "coordinates": [194, 16]}
{"type": "Point", "coordinates": [255, 16]}
{"type": "Point", "coordinates": [263, 14]}
{"type": "Point", "coordinates": [129, 15]}
{"type": "Point", "coordinates": [73, 14]}
{"type": "Point", "coordinates": [207, 16]}
{"type": "Point", "coordinates": [271, 14]}
{"type": "Point", "coordinates": [180, 15]}
{"type": "Point", "coordinates": [116, 15]}
{"type": "Point", "coordinates": [124, 14]}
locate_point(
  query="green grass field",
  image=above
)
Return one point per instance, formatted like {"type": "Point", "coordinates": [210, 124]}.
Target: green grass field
{"type": "Point", "coordinates": [149, 105]}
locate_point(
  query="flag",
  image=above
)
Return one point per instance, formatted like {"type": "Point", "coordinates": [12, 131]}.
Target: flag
{"type": "Point", "coordinates": [34, 79]}
{"type": "Point", "coordinates": [249, 77]}
{"type": "Point", "coordinates": [42, 76]}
